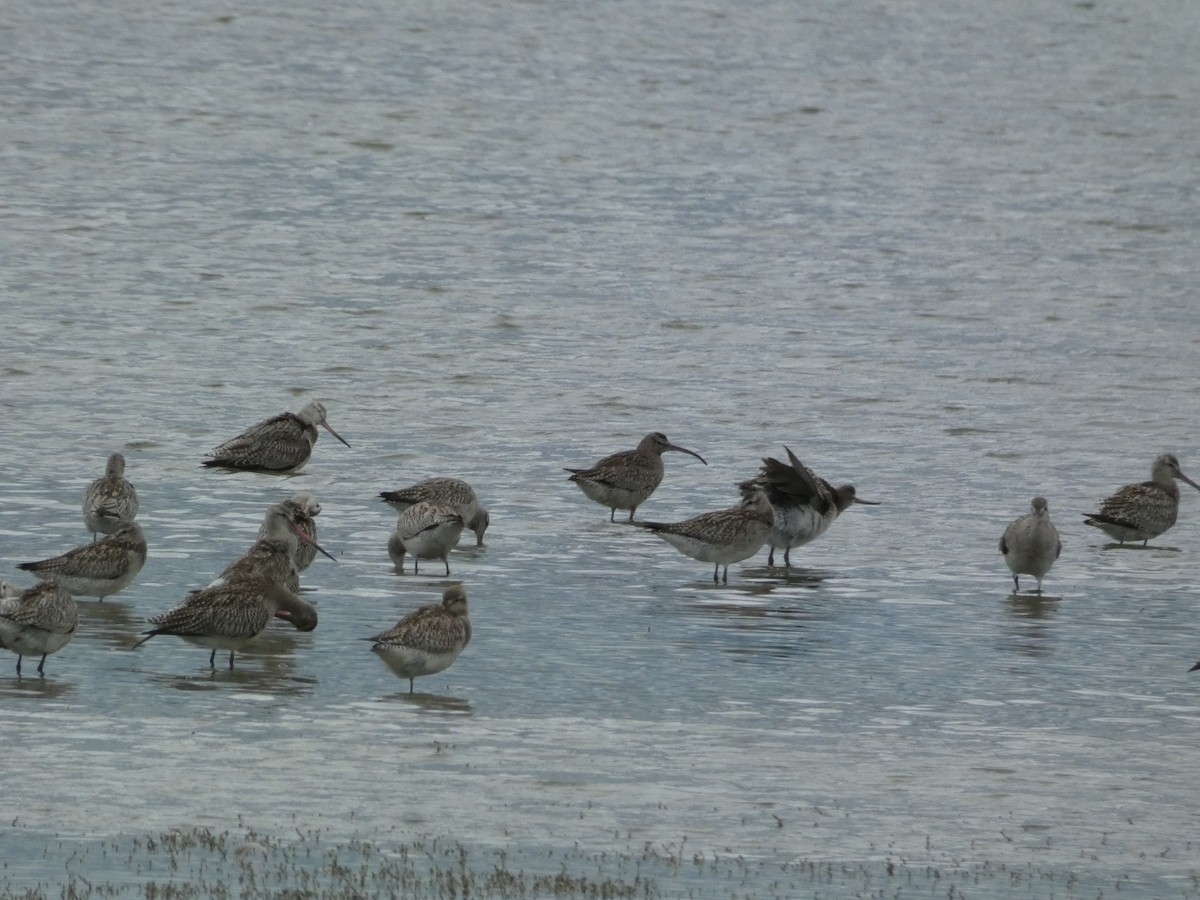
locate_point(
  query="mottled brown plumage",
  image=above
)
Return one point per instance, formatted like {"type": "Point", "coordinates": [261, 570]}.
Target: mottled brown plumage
{"type": "Point", "coordinates": [424, 531]}
{"type": "Point", "coordinates": [722, 537]}
{"type": "Point", "coordinates": [452, 492]}
{"type": "Point", "coordinates": [110, 500]}
{"type": "Point", "coordinates": [281, 443]}
{"type": "Point", "coordinates": [427, 640]}
{"type": "Point", "coordinates": [37, 621]}
{"type": "Point", "coordinates": [100, 569]}
{"type": "Point", "coordinates": [1138, 512]}
{"type": "Point", "coordinates": [626, 479]}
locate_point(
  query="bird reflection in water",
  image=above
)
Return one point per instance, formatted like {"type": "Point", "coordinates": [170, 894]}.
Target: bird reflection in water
{"type": "Point", "coordinates": [1029, 632]}
{"type": "Point", "coordinates": [433, 702]}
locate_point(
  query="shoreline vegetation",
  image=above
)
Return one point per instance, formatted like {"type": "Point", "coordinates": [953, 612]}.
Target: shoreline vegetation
{"type": "Point", "coordinates": [201, 863]}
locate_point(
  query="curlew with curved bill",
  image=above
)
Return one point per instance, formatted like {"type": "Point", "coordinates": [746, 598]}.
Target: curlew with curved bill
{"type": "Point", "coordinates": [37, 621]}
{"type": "Point", "coordinates": [626, 479]}
{"type": "Point", "coordinates": [722, 537]}
{"type": "Point", "coordinates": [282, 443]}
{"type": "Point", "coordinates": [101, 569]}
{"type": "Point", "coordinates": [427, 640]}
{"type": "Point", "coordinates": [1030, 544]}
{"type": "Point", "coordinates": [1138, 512]}
{"type": "Point", "coordinates": [110, 500]}
{"type": "Point", "coordinates": [805, 504]}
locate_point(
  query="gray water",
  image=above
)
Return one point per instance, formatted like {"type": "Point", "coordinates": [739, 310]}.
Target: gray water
{"type": "Point", "coordinates": [945, 251]}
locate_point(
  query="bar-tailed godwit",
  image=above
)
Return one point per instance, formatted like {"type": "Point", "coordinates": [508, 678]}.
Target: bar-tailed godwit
{"type": "Point", "coordinates": [282, 443]}
{"type": "Point", "coordinates": [110, 500]}
{"type": "Point", "coordinates": [1138, 512]}
{"type": "Point", "coordinates": [273, 554]}
{"type": "Point", "coordinates": [100, 569]}
{"type": "Point", "coordinates": [722, 537]}
{"type": "Point", "coordinates": [427, 640]}
{"type": "Point", "coordinates": [306, 509]}
{"type": "Point", "coordinates": [805, 504]}
{"type": "Point", "coordinates": [231, 614]}
{"type": "Point", "coordinates": [424, 531]}
{"type": "Point", "coordinates": [38, 621]}
{"type": "Point", "coordinates": [1030, 544]}
{"type": "Point", "coordinates": [452, 492]}
{"type": "Point", "coordinates": [624, 480]}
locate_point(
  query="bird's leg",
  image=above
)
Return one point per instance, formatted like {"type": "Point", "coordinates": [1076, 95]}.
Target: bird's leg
{"type": "Point", "coordinates": [446, 560]}
{"type": "Point", "coordinates": [771, 557]}
{"type": "Point", "coordinates": [18, 665]}
{"type": "Point", "coordinates": [230, 660]}
{"type": "Point", "coordinates": [40, 664]}
{"type": "Point", "coordinates": [612, 515]}
{"type": "Point", "coordinates": [416, 566]}
{"type": "Point", "coordinates": [410, 685]}
{"type": "Point", "coordinates": [787, 557]}
{"type": "Point", "coordinates": [716, 572]}
{"type": "Point", "coordinates": [1016, 584]}
{"type": "Point", "coordinates": [725, 576]}
{"type": "Point", "coordinates": [212, 659]}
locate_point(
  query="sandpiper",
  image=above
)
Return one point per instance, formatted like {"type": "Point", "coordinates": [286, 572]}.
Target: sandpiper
{"type": "Point", "coordinates": [1030, 544]}
{"type": "Point", "coordinates": [110, 500]}
{"type": "Point", "coordinates": [306, 509]}
{"type": "Point", "coordinates": [100, 569]}
{"type": "Point", "coordinates": [452, 492]}
{"type": "Point", "coordinates": [424, 531]}
{"type": "Point", "coordinates": [233, 613]}
{"type": "Point", "coordinates": [39, 620]}
{"type": "Point", "coordinates": [282, 443]}
{"type": "Point", "coordinates": [722, 537]}
{"type": "Point", "coordinates": [427, 640]}
{"type": "Point", "coordinates": [624, 480]}
{"type": "Point", "coordinates": [1138, 512]}
{"type": "Point", "coordinates": [805, 504]}
{"type": "Point", "coordinates": [273, 554]}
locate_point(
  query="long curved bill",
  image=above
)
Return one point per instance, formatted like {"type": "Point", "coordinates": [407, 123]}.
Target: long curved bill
{"type": "Point", "coordinates": [1183, 477]}
{"type": "Point", "coordinates": [687, 451]}
{"type": "Point", "coordinates": [866, 502]}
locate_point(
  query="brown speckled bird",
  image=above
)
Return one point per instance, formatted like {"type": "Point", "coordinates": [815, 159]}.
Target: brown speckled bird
{"type": "Point", "coordinates": [626, 479]}
{"type": "Point", "coordinates": [1138, 512]}
{"type": "Point", "coordinates": [427, 640]}
{"type": "Point", "coordinates": [282, 443]}
{"type": "Point", "coordinates": [110, 500]}
{"type": "Point", "coordinates": [99, 569]}
{"type": "Point", "coordinates": [722, 537]}
{"type": "Point", "coordinates": [37, 621]}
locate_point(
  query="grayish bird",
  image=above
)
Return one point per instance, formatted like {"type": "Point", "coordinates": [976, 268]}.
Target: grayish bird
{"type": "Point", "coordinates": [1030, 544]}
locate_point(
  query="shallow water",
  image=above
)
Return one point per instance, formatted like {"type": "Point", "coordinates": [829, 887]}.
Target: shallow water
{"type": "Point", "coordinates": [945, 252]}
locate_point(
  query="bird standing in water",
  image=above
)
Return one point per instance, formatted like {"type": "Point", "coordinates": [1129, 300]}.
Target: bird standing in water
{"type": "Point", "coordinates": [1030, 544]}
{"type": "Point", "coordinates": [624, 480]}
{"type": "Point", "coordinates": [1138, 512]}
{"type": "Point", "coordinates": [282, 443]}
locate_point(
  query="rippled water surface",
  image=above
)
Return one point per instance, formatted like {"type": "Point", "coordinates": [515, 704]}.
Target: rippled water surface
{"type": "Point", "coordinates": [945, 251]}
